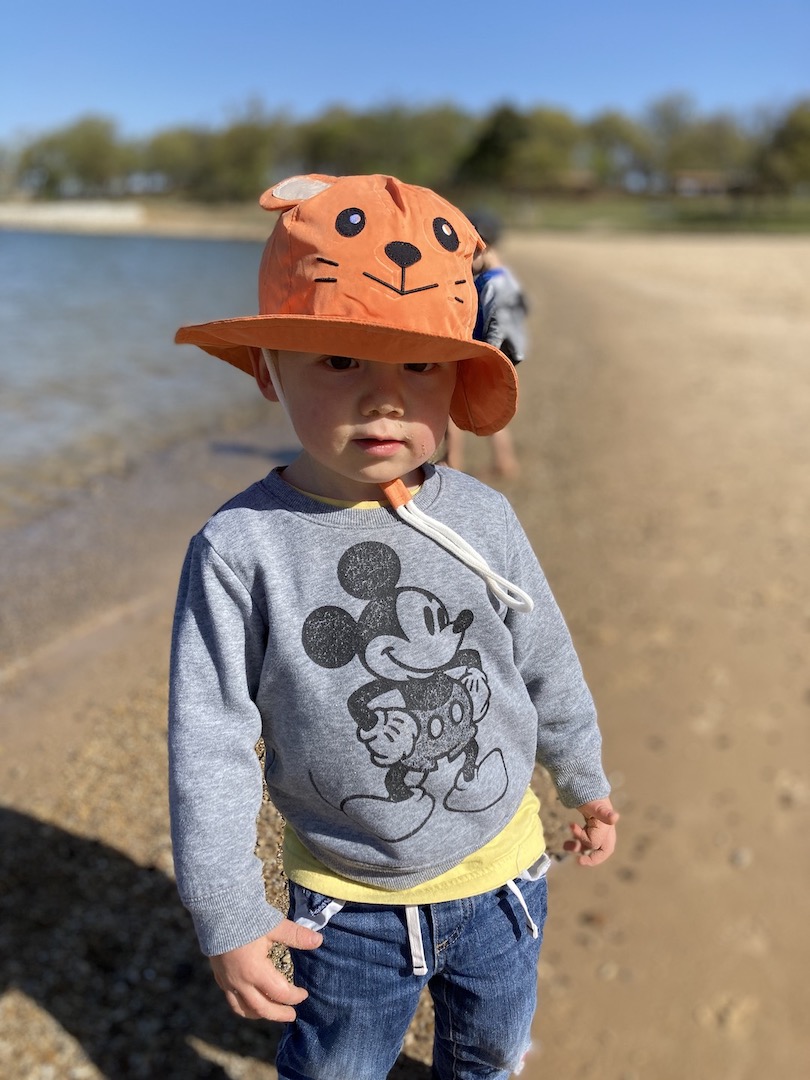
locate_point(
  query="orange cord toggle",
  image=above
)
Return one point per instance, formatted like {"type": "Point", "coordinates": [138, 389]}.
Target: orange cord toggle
{"type": "Point", "coordinates": [404, 507]}
{"type": "Point", "coordinates": [396, 492]}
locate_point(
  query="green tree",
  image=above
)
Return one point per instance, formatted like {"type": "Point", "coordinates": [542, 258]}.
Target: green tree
{"type": "Point", "coordinates": [239, 163]}
{"type": "Point", "coordinates": [668, 122]}
{"type": "Point", "coordinates": [94, 156]}
{"type": "Point", "coordinates": [544, 159]}
{"type": "Point", "coordinates": [234, 164]}
{"type": "Point", "coordinates": [492, 155]}
{"type": "Point", "coordinates": [179, 155]}
{"type": "Point", "coordinates": [618, 150]}
{"type": "Point", "coordinates": [783, 163]}
{"type": "Point", "coordinates": [716, 144]}
{"type": "Point", "coordinates": [7, 170]}
{"type": "Point", "coordinates": [84, 158]}
{"type": "Point", "coordinates": [436, 139]}
{"type": "Point", "coordinates": [335, 143]}
{"type": "Point", "coordinates": [420, 147]}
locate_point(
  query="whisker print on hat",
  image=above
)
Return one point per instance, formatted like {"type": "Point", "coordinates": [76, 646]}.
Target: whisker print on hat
{"type": "Point", "coordinates": [402, 286]}
{"type": "Point", "coordinates": [327, 262]}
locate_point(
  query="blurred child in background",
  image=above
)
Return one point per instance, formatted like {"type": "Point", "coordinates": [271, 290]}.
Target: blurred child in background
{"type": "Point", "coordinates": [502, 311]}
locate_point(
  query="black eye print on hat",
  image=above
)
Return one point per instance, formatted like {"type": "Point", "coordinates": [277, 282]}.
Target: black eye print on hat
{"type": "Point", "coordinates": [350, 221]}
{"type": "Point", "coordinates": [445, 234]}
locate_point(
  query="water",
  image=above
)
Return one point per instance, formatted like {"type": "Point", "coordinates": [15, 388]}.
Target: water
{"type": "Point", "coordinates": [89, 374]}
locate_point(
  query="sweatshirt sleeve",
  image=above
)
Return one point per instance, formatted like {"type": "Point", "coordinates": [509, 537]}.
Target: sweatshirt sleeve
{"type": "Point", "coordinates": [215, 783]}
{"type": "Point", "coordinates": [569, 743]}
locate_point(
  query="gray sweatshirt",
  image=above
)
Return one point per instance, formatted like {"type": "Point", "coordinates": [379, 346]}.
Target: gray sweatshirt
{"type": "Point", "coordinates": [402, 707]}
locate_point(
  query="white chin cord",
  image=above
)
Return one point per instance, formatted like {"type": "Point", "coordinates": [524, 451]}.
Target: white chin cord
{"type": "Point", "coordinates": [401, 502]}
{"type": "Point", "coordinates": [272, 371]}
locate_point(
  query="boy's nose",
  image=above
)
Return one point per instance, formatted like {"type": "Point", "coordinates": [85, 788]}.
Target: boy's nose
{"type": "Point", "coordinates": [383, 394]}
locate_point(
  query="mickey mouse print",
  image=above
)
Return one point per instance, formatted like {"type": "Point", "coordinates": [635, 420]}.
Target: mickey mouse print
{"type": "Point", "coordinates": [424, 701]}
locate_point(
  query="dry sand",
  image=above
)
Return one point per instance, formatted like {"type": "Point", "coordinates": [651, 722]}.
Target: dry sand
{"type": "Point", "coordinates": [664, 434]}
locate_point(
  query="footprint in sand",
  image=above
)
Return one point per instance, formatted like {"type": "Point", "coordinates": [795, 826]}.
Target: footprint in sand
{"type": "Point", "coordinates": [728, 1014]}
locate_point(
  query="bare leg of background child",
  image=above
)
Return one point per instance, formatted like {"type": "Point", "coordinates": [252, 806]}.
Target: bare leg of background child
{"type": "Point", "coordinates": [504, 461]}
{"type": "Point", "coordinates": [454, 447]}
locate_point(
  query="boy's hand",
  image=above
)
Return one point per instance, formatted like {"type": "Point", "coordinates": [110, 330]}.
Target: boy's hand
{"type": "Point", "coordinates": [595, 841]}
{"type": "Point", "coordinates": [252, 985]}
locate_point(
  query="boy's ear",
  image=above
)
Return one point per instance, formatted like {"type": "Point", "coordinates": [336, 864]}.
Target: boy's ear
{"type": "Point", "coordinates": [261, 374]}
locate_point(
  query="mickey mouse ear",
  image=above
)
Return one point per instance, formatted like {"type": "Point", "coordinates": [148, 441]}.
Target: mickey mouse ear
{"type": "Point", "coordinates": [329, 637]}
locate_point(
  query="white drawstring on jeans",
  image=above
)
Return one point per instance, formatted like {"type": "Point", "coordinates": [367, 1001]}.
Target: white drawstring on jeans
{"type": "Point", "coordinates": [531, 925]}
{"type": "Point", "coordinates": [402, 502]}
{"type": "Point", "coordinates": [418, 962]}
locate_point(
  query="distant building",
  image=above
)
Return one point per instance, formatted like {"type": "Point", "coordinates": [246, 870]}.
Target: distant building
{"type": "Point", "coordinates": [690, 182]}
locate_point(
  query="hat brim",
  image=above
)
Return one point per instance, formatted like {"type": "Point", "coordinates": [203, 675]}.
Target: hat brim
{"type": "Point", "coordinates": [485, 396]}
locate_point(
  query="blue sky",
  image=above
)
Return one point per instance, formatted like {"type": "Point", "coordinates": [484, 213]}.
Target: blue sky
{"type": "Point", "coordinates": [156, 63]}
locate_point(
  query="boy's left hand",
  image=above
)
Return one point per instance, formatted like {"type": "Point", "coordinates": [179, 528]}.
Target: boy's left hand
{"type": "Point", "coordinates": [596, 840]}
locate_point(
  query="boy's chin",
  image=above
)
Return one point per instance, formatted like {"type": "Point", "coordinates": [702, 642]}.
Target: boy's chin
{"type": "Point", "coordinates": [353, 481]}
{"type": "Point", "coordinates": [385, 472]}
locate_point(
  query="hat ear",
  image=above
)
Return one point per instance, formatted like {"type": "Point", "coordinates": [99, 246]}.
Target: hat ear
{"type": "Point", "coordinates": [295, 189]}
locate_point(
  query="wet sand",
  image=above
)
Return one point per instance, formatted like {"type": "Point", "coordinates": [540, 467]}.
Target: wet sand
{"type": "Point", "coordinates": [665, 445]}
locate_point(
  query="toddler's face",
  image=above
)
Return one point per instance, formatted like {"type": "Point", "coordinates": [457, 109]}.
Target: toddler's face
{"type": "Point", "coordinates": [363, 422]}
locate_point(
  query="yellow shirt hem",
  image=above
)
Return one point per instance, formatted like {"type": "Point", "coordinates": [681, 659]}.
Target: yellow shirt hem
{"type": "Point", "coordinates": [504, 857]}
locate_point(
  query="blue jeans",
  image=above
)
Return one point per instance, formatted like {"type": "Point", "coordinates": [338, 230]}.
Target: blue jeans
{"type": "Point", "coordinates": [480, 964]}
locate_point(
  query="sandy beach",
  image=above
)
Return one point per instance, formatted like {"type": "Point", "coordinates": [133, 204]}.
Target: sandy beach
{"type": "Point", "coordinates": [664, 436]}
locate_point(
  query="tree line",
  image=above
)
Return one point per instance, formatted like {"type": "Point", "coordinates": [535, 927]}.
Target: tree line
{"type": "Point", "coordinates": [672, 149]}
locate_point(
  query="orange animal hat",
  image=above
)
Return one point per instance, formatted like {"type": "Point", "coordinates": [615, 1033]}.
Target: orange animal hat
{"type": "Point", "coordinates": [369, 267]}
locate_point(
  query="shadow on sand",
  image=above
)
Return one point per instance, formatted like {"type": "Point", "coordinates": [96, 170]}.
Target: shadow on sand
{"type": "Point", "coordinates": [105, 947]}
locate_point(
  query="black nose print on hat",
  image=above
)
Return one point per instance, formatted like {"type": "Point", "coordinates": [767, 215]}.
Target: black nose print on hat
{"type": "Point", "coordinates": [403, 253]}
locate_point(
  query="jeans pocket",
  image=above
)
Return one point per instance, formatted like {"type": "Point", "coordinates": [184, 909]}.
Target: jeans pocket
{"type": "Point", "coordinates": [312, 909]}
{"type": "Point", "coordinates": [536, 870]}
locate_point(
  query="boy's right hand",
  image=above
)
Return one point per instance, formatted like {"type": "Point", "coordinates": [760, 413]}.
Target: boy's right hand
{"type": "Point", "coordinates": [253, 986]}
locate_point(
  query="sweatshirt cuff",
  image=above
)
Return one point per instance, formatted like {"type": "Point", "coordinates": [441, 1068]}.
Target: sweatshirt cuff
{"type": "Point", "coordinates": [231, 919]}
{"type": "Point", "coordinates": [577, 785]}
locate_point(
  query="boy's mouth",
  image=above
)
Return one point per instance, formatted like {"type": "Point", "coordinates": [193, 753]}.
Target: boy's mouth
{"type": "Point", "coordinates": [380, 447]}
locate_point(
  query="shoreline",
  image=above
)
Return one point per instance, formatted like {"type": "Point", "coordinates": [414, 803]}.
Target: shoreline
{"type": "Point", "coordinates": [42, 484]}
{"type": "Point", "coordinates": [186, 220]}
{"type": "Point", "coordinates": [105, 217]}
{"type": "Point", "coordinates": [118, 527]}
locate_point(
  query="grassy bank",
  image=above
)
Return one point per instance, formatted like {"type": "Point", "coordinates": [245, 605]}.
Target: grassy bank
{"type": "Point", "coordinates": [175, 217]}
{"type": "Point", "coordinates": [699, 214]}
{"type": "Point", "coordinates": [718, 214]}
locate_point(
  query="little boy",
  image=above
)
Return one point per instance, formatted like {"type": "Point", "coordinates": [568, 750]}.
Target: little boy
{"type": "Point", "coordinates": [385, 627]}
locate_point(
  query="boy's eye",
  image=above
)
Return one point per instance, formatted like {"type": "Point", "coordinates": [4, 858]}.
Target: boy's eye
{"type": "Point", "coordinates": [339, 363]}
{"type": "Point", "coordinates": [419, 367]}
